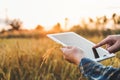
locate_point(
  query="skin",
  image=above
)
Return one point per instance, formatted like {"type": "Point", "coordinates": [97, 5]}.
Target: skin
{"type": "Point", "coordinates": [112, 43]}
{"type": "Point", "coordinates": [74, 54]}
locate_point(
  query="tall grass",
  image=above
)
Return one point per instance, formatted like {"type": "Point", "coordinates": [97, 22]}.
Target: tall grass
{"type": "Point", "coordinates": [38, 59]}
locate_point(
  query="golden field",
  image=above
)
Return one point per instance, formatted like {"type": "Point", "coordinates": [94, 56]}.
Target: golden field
{"type": "Point", "coordinates": [39, 59]}
{"type": "Point", "coordinates": [30, 55]}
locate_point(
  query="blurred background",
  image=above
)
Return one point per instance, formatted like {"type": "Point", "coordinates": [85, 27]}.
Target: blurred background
{"type": "Point", "coordinates": [26, 52]}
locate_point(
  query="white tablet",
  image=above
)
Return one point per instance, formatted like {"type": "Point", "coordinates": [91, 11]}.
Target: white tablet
{"type": "Point", "coordinates": [73, 39]}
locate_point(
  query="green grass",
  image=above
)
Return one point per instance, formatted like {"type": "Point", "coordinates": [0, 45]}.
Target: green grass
{"type": "Point", "coordinates": [38, 59]}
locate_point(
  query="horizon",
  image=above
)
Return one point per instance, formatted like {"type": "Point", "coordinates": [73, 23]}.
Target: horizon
{"type": "Point", "coordinates": [49, 12]}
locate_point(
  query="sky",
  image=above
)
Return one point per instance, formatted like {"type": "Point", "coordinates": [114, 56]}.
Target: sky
{"type": "Point", "coordinates": [49, 12]}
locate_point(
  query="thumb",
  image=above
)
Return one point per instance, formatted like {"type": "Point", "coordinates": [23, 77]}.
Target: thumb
{"type": "Point", "coordinates": [63, 49]}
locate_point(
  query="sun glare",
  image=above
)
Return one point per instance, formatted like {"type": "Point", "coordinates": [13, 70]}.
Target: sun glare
{"type": "Point", "coordinates": [50, 12]}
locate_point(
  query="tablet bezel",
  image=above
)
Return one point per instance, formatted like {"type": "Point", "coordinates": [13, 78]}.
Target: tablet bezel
{"type": "Point", "coordinates": [51, 36]}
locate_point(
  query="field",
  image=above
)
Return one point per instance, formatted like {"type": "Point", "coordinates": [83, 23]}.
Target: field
{"type": "Point", "coordinates": [39, 59]}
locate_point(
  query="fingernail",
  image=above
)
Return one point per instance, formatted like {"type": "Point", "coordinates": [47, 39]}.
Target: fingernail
{"type": "Point", "coordinates": [94, 46]}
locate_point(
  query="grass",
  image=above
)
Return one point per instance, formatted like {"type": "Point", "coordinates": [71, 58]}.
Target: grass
{"type": "Point", "coordinates": [38, 59]}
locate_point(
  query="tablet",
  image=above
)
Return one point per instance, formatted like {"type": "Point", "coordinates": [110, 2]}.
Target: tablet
{"type": "Point", "coordinates": [73, 39]}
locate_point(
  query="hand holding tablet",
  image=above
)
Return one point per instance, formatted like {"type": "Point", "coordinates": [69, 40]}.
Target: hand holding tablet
{"type": "Point", "coordinates": [73, 39]}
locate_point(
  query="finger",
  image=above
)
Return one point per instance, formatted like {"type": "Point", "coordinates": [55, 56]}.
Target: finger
{"type": "Point", "coordinates": [69, 60]}
{"type": "Point", "coordinates": [114, 48]}
{"type": "Point", "coordinates": [103, 42]}
{"type": "Point", "coordinates": [65, 50]}
{"type": "Point", "coordinates": [107, 46]}
{"type": "Point", "coordinates": [62, 49]}
{"type": "Point", "coordinates": [69, 47]}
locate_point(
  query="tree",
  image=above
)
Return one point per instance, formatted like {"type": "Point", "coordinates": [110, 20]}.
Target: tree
{"type": "Point", "coordinates": [57, 28]}
{"type": "Point", "coordinates": [16, 24]}
{"type": "Point", "coordinates": [3, 31]}
{"type": "Point", "coordinates": [39, 27]}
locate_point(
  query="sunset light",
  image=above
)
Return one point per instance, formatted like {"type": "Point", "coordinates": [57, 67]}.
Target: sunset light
{"type": "Point", "coordinates": [49, 12]}
{"type": "Point", "coordinates": [38, 39]}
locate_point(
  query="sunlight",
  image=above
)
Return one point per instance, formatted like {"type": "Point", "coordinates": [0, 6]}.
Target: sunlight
{"type": "Point", "coordinates": [49, 12]}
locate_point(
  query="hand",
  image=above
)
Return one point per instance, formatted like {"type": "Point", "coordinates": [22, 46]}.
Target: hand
{"type": "Point", "coordinates": [112, 43]}
{"type": "Point", "coordinates": [73, 54]}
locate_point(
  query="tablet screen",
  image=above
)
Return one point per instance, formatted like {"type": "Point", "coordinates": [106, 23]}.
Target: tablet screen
{"type": "Point", "coordinates": [73, 39]}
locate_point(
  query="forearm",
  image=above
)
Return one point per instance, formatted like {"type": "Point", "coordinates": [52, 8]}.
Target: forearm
{"type": "Point", "coordinates": [95, 71]}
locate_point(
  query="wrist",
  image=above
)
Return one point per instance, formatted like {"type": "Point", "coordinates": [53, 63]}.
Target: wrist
{"type": "Point", "coordinates": [78, 60]}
